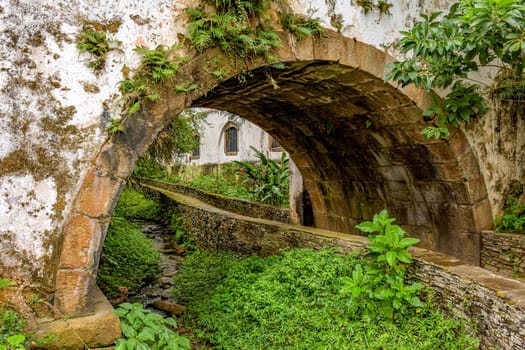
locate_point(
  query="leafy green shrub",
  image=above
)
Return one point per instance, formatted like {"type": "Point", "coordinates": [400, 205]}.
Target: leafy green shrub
{"type": "Point", "coordinates": [156, 66]}
{"type": "Point", "coordinates": [267, 179]}
{"type": "Point", "coordinates": [315, 300]}
{"type": "Point", "coordinates": [146, 330]}
{"type": "Point", "coordinates": [149, 168]}
{"type": "Point", "coordinates": [202, 272]}
{"type": "Point", "coordinates": [133, 205]}
{"type": "Point", "coordinates": [12, 325]}
{"type": "Point", "coordinates": [445, 49]}
{"type": "Point", "coordinates": [128, 259]}
{"type": "Point", "coordinates": [513, 218]}
{"type": "Point", "coordinates": [234, 28]}
{"type": "Point", "coordinates": [379, 287]}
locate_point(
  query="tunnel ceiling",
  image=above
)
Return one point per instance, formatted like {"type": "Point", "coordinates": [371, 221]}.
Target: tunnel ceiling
{"type": "Point", "coordinates": [357, 143]}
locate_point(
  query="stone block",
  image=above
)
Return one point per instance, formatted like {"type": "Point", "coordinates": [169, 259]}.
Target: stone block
{"type": "Point", "coordinates": [403, 211]}
{"type": "Point", "coordinates": [428, 238]}
{"type": "Point", "coordinates": [396, 136]}
{"type": "Point", "coordinates": [483, 215]}
{"type": "Point", "coordinates": [410, 115]}
{"type": "Point", "coordinates": [459, 144]}
{"type": "Point", "coordinates": [391, 99]}
{"type": "Point", "coordinates": [423, 173]}
{"type": "Point", "coordinates": [419, 96]}
{"type": "Point", "coordinates": [442, 153]}
{"type": "Point", "coordinates": [370, 59]}
{"type": "Point", "coordinates": [321, 221]}
{"type": "Point", "coordinates": [172, 308]}
{"type": "Point", "coordinates": [98, 195]}
{"type": "Point", "coordinates": [115, 161]}
{"type": "Point", "coordinates": [82, 242]}
{"type": "Point", "coordinates": [476, 188]}
{"type": "Point", "coordinates": [98, 330]}
{"type": "Point", "coordinates": [394, 173]}
{"type": "Point", "coordinates": [470, 166]}
{"type": "Point", "coordinates": [318, 202]}
{"type": "Point", "coordinates": [450, 171]}
{"type": "Point", "coordinates": [469, 247]}
{"type": "Point", "coordinates": [398, 190]}
{"type": "Point", "coordinates": [74, 292]}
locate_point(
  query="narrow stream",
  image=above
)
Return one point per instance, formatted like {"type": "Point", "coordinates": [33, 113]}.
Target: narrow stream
{"type": "Point", "coordinates": [157, 296]}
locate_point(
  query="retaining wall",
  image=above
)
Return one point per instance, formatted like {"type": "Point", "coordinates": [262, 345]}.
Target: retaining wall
{"type": "Point", "coordinates": [495, 303]}
{"type": "Point", "coordinates": [503, 253]}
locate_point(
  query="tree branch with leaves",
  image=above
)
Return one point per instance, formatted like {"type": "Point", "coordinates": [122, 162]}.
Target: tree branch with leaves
{"type": "Point", "coordinates": [445, 49]}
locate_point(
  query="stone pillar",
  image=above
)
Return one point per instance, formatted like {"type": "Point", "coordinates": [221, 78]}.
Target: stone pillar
{"type": "Point", "coordinates": [296, 194]}
{"type": "Point", "coordinates": [83, 238]}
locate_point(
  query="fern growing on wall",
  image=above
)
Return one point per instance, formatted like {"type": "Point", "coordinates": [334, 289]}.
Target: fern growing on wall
{"type": "Point", "coordinates": [243, 29]}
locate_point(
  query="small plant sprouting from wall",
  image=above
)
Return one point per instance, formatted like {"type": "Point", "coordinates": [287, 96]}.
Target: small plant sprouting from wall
{"type": "Point", "coordinates": [301, 26]}
{"type": "Point", "coordinates": [97, 44]}
{"type": "Point", "coordinates": [513, 218]}
{"type": "Point", "coordinates": [369, 5]}
{"type": "Point", "coordinates": [235, 28]}
{"type": "Point", "coordinates": [242, 29]}
{"type": "Point", "coordinates": [158, 65]}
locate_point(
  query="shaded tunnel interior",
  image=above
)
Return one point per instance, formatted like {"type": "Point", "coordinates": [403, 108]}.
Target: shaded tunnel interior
{"type": "Point", "coordinates": [357, 144]}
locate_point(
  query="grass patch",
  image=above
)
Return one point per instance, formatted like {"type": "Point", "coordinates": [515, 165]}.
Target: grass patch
{"type": "Point", "coordinates": [132, 205]}
{"type": "Point", "coordinates": [300, 300]}
{"type": "Point", "coordinates": [128, 258]}
{"type": "Point", "coordinates": [220, 185]}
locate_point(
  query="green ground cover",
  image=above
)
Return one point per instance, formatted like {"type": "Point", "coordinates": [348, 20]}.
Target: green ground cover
{"type": "Point", "coordinates": [305, 299]}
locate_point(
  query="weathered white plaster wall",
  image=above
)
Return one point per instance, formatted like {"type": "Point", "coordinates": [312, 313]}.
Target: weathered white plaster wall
{"type": "Point", "coordinates": [53, 114]}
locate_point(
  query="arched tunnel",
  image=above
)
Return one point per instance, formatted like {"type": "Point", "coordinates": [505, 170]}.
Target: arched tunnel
{"type": "Point", "coordinates": [357, 144]}
{"type": "Point", "coordinates": [355, 139]}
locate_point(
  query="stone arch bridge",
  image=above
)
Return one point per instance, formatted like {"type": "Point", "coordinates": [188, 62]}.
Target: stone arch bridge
{"type": "Point", "coordinates": [355, 140]}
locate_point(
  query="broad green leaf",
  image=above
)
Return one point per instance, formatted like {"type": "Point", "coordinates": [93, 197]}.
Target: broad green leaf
{"type": "Point", "coordinates": [146, 335]}
{"type": "Point", "coordinates": [134, 108]}
{"type": "Point", "coordinates": [131, 344]}
{"type": "Point", "coordinates": [170, 321]}
{"type": "Point", "coordinates": [127, 330]}
{"type": "Point", "coordinates": [16, 339]}
{"type": "Point", "coordinates": [368, 227]}
{"type": "Point", "coordinates": [408, 241]}
{"type": "Point", "coordinates": [391, 258]}
{"type": "Point", "coordinates": [119, 345]}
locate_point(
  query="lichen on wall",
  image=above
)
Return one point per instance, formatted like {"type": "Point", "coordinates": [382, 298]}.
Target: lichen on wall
{"type": "Point", "coordinates": [53, 115]}
{"type": "Point", "coordinates": [26, 218]}
{"type": "Point", "coordinates": [499, 141]}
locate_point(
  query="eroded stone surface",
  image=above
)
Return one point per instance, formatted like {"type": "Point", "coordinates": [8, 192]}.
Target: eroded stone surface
{"type": "Point", "coordinates": [98, 330]}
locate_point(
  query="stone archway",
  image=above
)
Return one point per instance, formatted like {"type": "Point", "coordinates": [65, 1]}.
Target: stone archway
{"type": "Point", "coordinates": [354, 139]}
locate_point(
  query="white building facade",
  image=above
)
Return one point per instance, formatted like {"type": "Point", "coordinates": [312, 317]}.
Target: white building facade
{"type": "Point", "coordinates": [225, 137]}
